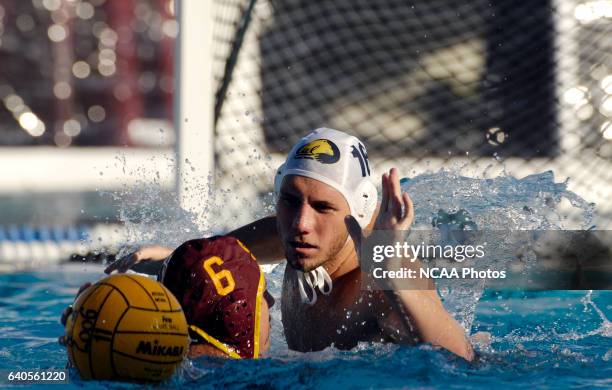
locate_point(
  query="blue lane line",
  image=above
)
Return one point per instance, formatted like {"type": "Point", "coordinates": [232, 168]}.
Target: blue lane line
{"type": "Point", "coordinates": [29, 233]}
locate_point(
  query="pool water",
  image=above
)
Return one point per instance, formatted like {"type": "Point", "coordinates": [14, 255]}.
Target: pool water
{"type": "Point", "coordinates": [553, 339]}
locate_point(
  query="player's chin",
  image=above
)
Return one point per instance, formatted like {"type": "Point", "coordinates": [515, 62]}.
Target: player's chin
{"type": "Point", "coordinates": [303, 263]}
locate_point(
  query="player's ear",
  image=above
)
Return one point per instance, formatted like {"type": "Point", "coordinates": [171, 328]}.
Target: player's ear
{"type": "Point", "coordinates": [364, 202]}
{"type": "Point", "coordinates": [278, 179]}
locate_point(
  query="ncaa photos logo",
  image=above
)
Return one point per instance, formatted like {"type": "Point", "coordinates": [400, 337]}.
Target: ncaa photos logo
{"type": "Point", "coordinates": [321, 150]}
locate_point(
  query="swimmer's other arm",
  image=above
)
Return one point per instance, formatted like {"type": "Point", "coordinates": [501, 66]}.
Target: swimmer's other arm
{"type": "Point", "coordinates": [261, 237]}
{"type": "Point", "coordinates": [147, 260]}
{"type": "Point", "coordinates": [419, 306]}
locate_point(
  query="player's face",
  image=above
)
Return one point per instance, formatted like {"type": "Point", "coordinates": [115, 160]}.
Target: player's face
{"type": "Point", "coordinates": [310, 217]}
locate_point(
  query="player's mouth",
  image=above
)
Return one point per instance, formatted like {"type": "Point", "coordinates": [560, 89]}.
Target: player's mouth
{"type": "Point", "coordinates": [303, 248]}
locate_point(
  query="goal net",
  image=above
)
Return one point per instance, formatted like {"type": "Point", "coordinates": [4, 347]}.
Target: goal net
{"type": "Point", "coordinates": [425, 84]}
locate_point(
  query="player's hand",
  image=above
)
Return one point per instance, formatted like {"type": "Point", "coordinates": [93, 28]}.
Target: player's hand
{"type": "Point", "coordinates": [147, 253]}
{"type": "Point", "coordinates": [395, 214]}
{"type": "Point", "coordinates": [396, 210]}
{"type": "Point", "coordinates": [68, 311]}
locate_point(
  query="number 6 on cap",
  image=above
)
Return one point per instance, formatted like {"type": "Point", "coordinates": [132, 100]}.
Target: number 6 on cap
{"type": "Point", "coordinates": [216, 277]}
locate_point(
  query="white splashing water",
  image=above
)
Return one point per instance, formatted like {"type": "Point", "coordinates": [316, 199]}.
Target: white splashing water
{"type": "Point", "coordinates": [153, 216]}
{"type": "Point", "coordinates": [605, 329]}
{"type": "Point", "coordinates": [502, 203]}
{"type": "Point", "coordinates": [150, 213]}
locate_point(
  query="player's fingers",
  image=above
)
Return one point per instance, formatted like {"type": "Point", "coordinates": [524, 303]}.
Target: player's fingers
{"type": "Point", "coordinates": [395, 188]}
{"type": "Point", "coordinates": [120, 263]}
{"type": "Point", "coordinates": [397, 206]}
{"type": "Point", "coordinates": [83, 287]}
{"type": "Point", "coordinates": [395, 194]}
{"type": "Point", "coordinates": [128, 263]}
{"type": "Point", "coordinates": [123, 264]}
{"type": "Point", "coordinates": [385, 194]}
{"type": "Point", "coordinates": [65, 313]}
{"type": "Point", "coordinates": [409, 211]}
{"type": "Point", "coordinates": [113, 266]}
{"type": "Point", "coordinates": [62, 340]}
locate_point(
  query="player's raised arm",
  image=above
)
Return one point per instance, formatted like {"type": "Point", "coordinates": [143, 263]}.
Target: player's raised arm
{"type": "Point", "coordinates": [420, 308]}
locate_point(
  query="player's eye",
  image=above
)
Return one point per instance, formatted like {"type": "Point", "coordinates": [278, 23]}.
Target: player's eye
{"type": "Point", "coordinates": [323, 207]}
{"type": "Point", "coordinates": [289, 200]}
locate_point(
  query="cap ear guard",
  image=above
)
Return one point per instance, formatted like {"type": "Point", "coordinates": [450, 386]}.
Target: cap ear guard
{"type": "Point", "coordinates": [364, 204]}
{"type": "Point", "coordinates": [278, 179]}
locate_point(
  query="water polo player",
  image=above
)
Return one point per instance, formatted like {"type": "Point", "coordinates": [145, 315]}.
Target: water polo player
{"type": "Point", "coordinates": [326, 203]}
{"type": "Point", "coordinates": [222, 292]}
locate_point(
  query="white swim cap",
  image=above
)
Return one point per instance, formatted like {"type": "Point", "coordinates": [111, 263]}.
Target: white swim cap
{"type": "Point", "coordinates": [336, 159]}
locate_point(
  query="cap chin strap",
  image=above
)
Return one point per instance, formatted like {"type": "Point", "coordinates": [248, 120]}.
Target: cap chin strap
{"type": "Point", "coordinates": [318, 277]}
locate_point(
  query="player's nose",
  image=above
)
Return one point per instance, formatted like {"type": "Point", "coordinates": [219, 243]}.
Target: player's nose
{"type": "Point", "coordinates": [303, 219]}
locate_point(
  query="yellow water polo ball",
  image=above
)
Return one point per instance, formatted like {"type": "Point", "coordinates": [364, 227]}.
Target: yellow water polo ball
{"type": "Point", "coordinates": [126, 327]}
